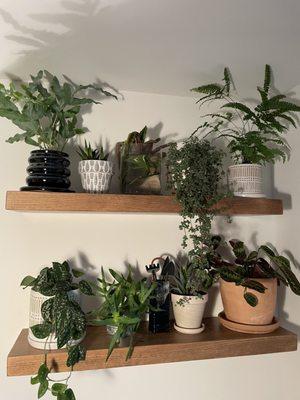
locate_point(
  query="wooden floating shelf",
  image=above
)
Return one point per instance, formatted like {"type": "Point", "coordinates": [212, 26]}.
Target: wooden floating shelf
{"type": "Point", "coordinates": [85, 202]}
{"type": "Point", "coordinates": [215, 342]}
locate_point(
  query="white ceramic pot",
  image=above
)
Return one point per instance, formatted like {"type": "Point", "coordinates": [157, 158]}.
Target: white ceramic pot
{"type": "Point", "coordinates": [188, 312]}
{"type": "Point", "coordinates": [95, 175]}
{"type": "Point", "coordinates": [35, 317]}
{"type": "Point", "coordinates": [246, 180]}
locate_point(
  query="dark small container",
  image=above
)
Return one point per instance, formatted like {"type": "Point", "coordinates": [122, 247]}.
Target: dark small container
{"type": "Point", "coordinates": [159, 321]}
{"type": "Point", "coordinates": [48, 170]}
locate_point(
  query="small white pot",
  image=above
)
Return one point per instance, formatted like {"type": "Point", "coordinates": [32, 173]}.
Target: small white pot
{"type": "Point", "coordinates": [246, 180]}
{"type": "Point", "coordinates": [188, 312]}
{"type": "Point", "coordinates": [35, 317]}
{"type": "Point", "coordinates": [95, 175]}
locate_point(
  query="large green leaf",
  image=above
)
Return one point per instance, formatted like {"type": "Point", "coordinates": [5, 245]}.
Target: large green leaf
{"type": "Point", "coordinates": [41, 331]}
{"type": "Point", "coordinates": [43, 389]}
{"type": "Point", "coordinates": [251, 299]}
{"type": "Point", "coordinates": [27, 281]}
{"type": "Point", "coordinates": [58, 388]}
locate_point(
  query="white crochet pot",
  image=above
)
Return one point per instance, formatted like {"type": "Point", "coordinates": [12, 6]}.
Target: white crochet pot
{"type": "Point", "coordinates": [95, 175]}
{"type": "Point", "coordinates": [246, 180]}
{"type": "Point", "coordinates": [35, 317]}
{"type": "Point", "coordinates": [188, 312]}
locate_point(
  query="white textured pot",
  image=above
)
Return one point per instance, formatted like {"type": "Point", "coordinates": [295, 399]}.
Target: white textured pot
{"type": "Point", "coordinates": [95, 175]}
{"type": "Point", "coordinates": [188, 312]}
{"type": "Point", "coordinates": [246, 180]}
{"type": "Point", "coordinates": [35, 317]}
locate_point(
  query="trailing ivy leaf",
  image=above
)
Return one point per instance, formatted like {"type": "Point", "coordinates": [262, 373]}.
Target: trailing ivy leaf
{"type": "Point", "coordinates": [41, 331]}
{"type": "Point", "coordinates": [75, 354]}
{"type": "Point", "coordinates": [43, 388]}
{"type": "Point", "coordinates": [47, 310]}
{"type": "Point", "coordinates": [251, 299]}
{"type": "Point", "coordinates": [69, 394]}
{"type": "Point", "coordinates": [86, 288]}
{"type": "Point", "coordinates": [43, 373]}
{"type": "Point", "coordinates": [28, 281]}
{"type": "Point", "coordinates": [58, 388]}
{"type": "Point", "coordinates": [34, 380]}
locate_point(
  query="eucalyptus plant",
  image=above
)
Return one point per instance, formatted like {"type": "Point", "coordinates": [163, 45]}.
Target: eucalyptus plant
{"type": "Point", "coordinates": [45, 110]}
{"type": "Point", "coordinates": [63, 318]}
{"type": "Point", "coordinates": [255, 134]}
{"type": "Point", "coordinates": [126, 300]}
{"type": "Point", "coordinates": [88, 153]}
{"type": "Point", "coordinates": [195, 172]}
{"type": "Point", "coordinates": [265, 262]}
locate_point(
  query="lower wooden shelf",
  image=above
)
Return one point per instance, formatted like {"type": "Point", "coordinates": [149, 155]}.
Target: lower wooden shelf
{"type": "Point", "coordinates": [215, 342]}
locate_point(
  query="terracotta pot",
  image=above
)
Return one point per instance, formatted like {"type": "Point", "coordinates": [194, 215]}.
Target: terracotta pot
{"type": "Point", "coordinates": [238, 310]}
{"type": "Point", "coordinates": [188, 310]}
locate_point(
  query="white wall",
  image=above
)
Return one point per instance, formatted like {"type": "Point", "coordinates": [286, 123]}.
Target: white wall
{"type": "Point", "coordinates": [29, 241]}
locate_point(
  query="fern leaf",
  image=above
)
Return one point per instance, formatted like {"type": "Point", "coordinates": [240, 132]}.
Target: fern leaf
{"type": "Point", "coordinates": [241, 107]}
{"type": "Point", "coordinates": [210, 89]}
{"type": "Point", "coordinates": [227, 80]}
{"type": "Point", "coordinates": [288, 118]}
{"type": "Point", "coordinates": [267, 79]}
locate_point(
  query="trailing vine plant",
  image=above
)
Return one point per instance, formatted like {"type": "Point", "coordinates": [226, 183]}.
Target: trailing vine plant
{"type": "Point", "coordinates": [63, 319]}
{"type": "Point", "coordinates": [255, 133]}
{"type": "Point", "coordinates": [195, 172]}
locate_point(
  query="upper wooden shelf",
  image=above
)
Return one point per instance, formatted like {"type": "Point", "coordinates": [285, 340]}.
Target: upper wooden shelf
{"type": "Point", "coordinates": [215, 342]}
{"type": "Point", "coordinates": [49, 201]}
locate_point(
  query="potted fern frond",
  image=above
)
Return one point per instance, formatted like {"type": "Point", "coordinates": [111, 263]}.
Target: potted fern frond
{"type": "Point", "coordinates": [94, 168]}
{"type": "Point", "coordinates": [255, 134]}
{"type": "Point", "coordinates": [46, 111]}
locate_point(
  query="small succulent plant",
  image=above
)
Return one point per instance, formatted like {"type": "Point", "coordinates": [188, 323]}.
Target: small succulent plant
{"type": "Point", "coordinates": [87, 152]}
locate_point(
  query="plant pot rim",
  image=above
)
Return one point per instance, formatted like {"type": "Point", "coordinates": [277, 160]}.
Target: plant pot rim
{"type": "Point", "coordinates": [72, 290]}
{"type": "Point", "coordinates": [49, 151]}
{"type": "Point", "coordinates": [105, 161]}
{"type": "Point", "coordinates": [253, 279]}
{"type": "Point", "coordinates": [204, 296]}
{"type": "Point", "coordinates": [245, 165]}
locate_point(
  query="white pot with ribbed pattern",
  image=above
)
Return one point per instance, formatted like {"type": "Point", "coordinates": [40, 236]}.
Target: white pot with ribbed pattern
{"type": "Point", "coordinates": [95, 175]}
{"type": "Point", "coordinates": [246, 180]}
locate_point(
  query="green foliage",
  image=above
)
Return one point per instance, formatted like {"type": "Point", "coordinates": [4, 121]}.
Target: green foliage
{"type": "Point", "coordinates": [138, 158]}
{"type": "Point", "coordinates": [45, 110]}
{"type": "Point", "coordinates": [62, 317]}
{"type": "Point", "coordinates": [88, 153]}
{"type": "Point", "coordinates": [255, 134]}
{"type": "Point", "coordinates": [125, 302]}
{"type": "Point", "coordinates": [190, 280]}
{"type": "Point", "coordinates": [195, 171]}
{"type": "Point", "coordinates": [263, 263]}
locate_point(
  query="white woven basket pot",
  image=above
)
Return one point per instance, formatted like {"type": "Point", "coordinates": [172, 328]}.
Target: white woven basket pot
{"type": "Point", "coordinates": [95, 175]}
{"type": "Point", "coordinates": [188, 310]}
{"type": "Point", "coordinates": [35, 317]}
{"type": "Point", "coordinates": [246, 180]}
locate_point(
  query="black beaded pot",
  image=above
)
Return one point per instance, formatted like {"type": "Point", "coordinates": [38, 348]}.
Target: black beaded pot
{"type": "Point", "coordinates": [48, 170]}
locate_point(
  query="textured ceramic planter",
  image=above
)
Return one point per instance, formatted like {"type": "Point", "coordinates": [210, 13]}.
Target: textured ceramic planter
{"type": "Point", "coordinates": [48, 170]}
{"type": "Point", "coordinates": [238, 310]}
{"type": "Point", "coordinates": [95, 175]}
{"type": "Point", "coordinates": [188, 311]}
{"type": "Point", "coordinates": [246, 180]}
{"type": "Point", "coordinates": [35, 317]}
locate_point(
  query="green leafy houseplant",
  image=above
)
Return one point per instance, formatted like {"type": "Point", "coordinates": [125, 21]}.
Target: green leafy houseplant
{"type": "Point", "coordinates": [190, 280]}
{"type": "Point", "coordinates": [88, 153]}
{"type": "Point", "coordinates": [265, 262]}
{"type": "Point", "coordinates": [125, 302]}
{"type": "Point", "coordinates": [255, 133]}
{"type": "Point", "coordinates": [139, 160]}
{"type": "Point", "coordinates": [45, 110]}
{"type": "Point", "coordinates": [195, 170]}
{"type": "Point", "coordinates": [63, 317]}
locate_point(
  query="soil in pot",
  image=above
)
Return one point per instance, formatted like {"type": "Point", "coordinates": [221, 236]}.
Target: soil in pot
{"type": "Point", "coordinates": [238, 310]}
{"type": "Point", "coordinates": [48, 170]}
